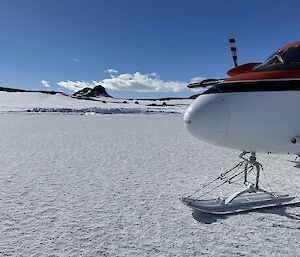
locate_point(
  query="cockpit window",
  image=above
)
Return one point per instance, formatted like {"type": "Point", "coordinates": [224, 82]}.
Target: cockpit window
{"type": "Point", "coordinates": [271, 57]}
{"type": "Point", "coordinates": [292, 55]}
{"type": "Point", "coordinates": [274, 58]}
{"type": "Point", "coordinates": [281, 60]}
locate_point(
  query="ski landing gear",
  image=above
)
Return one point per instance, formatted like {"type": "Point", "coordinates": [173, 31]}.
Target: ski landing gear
{"type": "Point", "coordinates": [250, 198]}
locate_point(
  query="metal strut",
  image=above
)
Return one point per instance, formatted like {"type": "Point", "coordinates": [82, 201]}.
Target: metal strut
{"type": "Point", "coordinates": [228, 176]}
{"type": "Point", "coordinates": [251, 188]}
{"type": "Point", "coordinates": [252, 162]}
{"type": "Point", "coordinates": [251, 197]}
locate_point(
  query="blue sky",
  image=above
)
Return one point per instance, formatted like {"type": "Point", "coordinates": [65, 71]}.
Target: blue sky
{"type": "Point", "coordinates": [150, 47]}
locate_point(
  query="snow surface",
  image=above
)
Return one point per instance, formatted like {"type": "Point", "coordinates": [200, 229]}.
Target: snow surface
{"type": "Point", "coordinates": [108, 185]}
{"type": "Point", "coordinates": [59, 103]}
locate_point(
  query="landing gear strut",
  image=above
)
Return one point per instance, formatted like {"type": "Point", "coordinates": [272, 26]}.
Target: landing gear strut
{"type": "Point", "coordinates": [250, 198]}
{"type": "Point", "coordinates": [253, 163]}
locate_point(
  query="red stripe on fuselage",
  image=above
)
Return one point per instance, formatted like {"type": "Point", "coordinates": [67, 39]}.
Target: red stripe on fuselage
{"type": "Point", "coordinates": [260, 75]}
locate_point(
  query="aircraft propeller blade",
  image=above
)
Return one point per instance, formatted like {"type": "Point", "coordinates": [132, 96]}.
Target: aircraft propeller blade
{"type": "Point", "coordinates": [205, 83]}
{"type": "Point", "coordinates": [233, 50]}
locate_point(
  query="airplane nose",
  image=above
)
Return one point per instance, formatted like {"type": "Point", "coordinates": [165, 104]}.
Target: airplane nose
{"type": "Point", "coordinates": [207, 117]}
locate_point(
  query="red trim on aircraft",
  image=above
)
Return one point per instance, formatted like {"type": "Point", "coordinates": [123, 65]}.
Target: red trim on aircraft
{"type": "Point", "coordinates": [279, 74]}
{"type": "Point", "coordinates": [297, 43]}
{"type": "Point", "coordinates": [242, 69]}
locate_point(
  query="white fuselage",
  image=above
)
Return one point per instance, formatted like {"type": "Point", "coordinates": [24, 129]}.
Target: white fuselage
{"type": "Point", "coordinates": [264, 121]}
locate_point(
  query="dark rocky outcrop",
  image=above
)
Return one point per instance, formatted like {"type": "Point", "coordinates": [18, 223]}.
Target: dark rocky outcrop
{"type": "Point", "coordinates": [91, 92]}
{"type": "Point", "coordinates": [161, 105]}
{"type": "Point", "coordinates": [7, 89]}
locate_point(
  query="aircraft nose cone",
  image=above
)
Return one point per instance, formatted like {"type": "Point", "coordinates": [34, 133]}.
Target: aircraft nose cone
{"type": "Point", "coordinates": [207, 118]}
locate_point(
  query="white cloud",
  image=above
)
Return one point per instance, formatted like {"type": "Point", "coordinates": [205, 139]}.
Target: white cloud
{"type": "Point", "coordinates": [137, 82]}
{"type": "Point", "coordinates": [45, 83]}
{"type": "Point", "coordinates": [111, 71]}
{"type": "Point", "coordinates": [197, 79]}
{"type": "Point", "coordinates": [75, 60]}
{"type": "Point", "coordinates": [76, 85]}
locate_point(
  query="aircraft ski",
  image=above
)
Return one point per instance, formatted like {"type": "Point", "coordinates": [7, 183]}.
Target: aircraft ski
{"type": "Point", "coordinates": [240, 203]}
{"type": "Point", "coordinates": [251, 197]}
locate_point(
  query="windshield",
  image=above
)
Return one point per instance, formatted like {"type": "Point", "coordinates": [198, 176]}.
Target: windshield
{"type": "Point", "coordinates": [281, 59]}
{"type": "Point", "coordinates": [272, 59]}
{"type": "Point", "coordinates": [292, 55]}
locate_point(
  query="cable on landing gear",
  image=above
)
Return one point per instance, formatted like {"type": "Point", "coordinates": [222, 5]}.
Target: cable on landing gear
{"type": "Point", "coordinates": [251, 197]}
